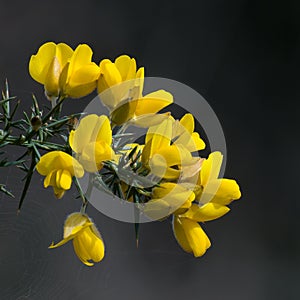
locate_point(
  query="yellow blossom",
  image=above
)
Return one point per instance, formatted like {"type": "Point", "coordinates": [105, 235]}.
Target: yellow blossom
{"type": "Point", "coordinates": [212, 194]}
{"type": "Point", "coordinates": [64, 72]}
{"type": "Point", "coordinates": [91, 141]}
{"type": "Point", "coordinates": [122, 74]}
{"type": "Point", "coordinates": [59, 168]}
{"type": "Point", "coordinates": [169, 145]}
{"type": "Point", "coordinates": [87, 241]}
{"type": "Point", "coordinates": [120, 86]}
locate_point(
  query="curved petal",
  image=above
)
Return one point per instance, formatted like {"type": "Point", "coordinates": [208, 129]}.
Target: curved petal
{"type": "Point", "coordinates": [63, 179]}
{"type": "Point", "coordinates": [82, 135]}
{"type": "Point", "coordinates": [211, 167]}
{"type": "Point", "coordinates": [195, 236]}
{"type": "Point", "coordinates": [81, 252]}
{"type": "Point", "coordinates": [50, 179]}
{"type": "Point", "coordinates": [228, 190]}
{"type": "Point", "coordinates": [104, 132]}
{"type": "Point", "coordinates": [62, 242]}
{"type": "Point", "coordinates": [187, 121]}
{"type": "Point", "coordinates": [74, 223]}
{"type": "Point", "coordinates": [175, 195]}
{"type": "Point", "coordinates": [81, 56]}
{"type": "Point", "coordinates": [153, 102]}
{"type": "Point", "coordinates": [52, 77]}
{"type": "Point", "coordinates": [39, 63]}
{"type": "Point", "coordinates": [180, 235]}
{"type": "Point", "coordinates": [126, 67]}
{"type": "Point", "coordinates": [88, 73]}
{"type": "Point", "coordinates": [160, 135]}
{"type": "Point", "coordinates": [109, 73]}
{"type": "Point", "coordinates": [207, 212]}
{"type": "Point", "coordinates": [63, 53]}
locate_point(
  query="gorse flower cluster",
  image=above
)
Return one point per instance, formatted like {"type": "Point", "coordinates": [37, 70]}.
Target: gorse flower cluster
{"type": "Point", "coordinates": [164, 177]}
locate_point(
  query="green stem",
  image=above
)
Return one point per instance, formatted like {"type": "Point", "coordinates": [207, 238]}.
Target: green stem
{"type": "Point", "coordinates": [21, 141]}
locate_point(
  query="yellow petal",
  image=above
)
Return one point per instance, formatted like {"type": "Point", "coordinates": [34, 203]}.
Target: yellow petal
{"type": "Point", "coordinates": [194, 236]}
{"type": "Point", "coordinates": [62, 242]}
{"type": "Point", "coordinates": [82, 135]}
{"type": "Point", "coordinates": [191, 142]}
{"type": "Point", "coordinates": [39, 63]}
{"type": "Point", "coordinates": [228, 190]}
{"type": "Point", "coordinates": [81, 56]}
{"type": "Point", "coordinates": [50, 179]}
{"type": "Point", "coordinates": [153, 102]}
{"type": "Point", "coordinates": [88, 246]}
{"type": "Point", "coordinates": [52, 78]}
{"type": "Point", "coordinates": [63, 78]}
{"type": "Point", "coordinates": [207, 212]}
{"type": "Point", "coordinates": [82, 82]}
{"type": "Point", "coordinates": [211, 167]}
{"type": "Point", "coordinates": [126, 67]}
{"type": "Point", "coordinates": [94, 154]}
{"type": "Point", "coordinates": [63, 179]}
{"type": "Point", "coordinates": [139, 82]}
{"type": "Point", "coordinates": [160, 135]}
{"type": "Point", "coordinates": [86, 74]}
{"type": "Point", "coordinates": [175, 195]}
{"type": "Point", "coordinates": [109, 73]}
{"type": "Point", "coordinates": [104, 131]}
{"type": "Point", "coordinates": [91, 129]}
{"type": "Point", "coordinates": [81, 252]}
{"type": "Point", "coordinates": [173, 155]}
{"type": "Point", "coordinates": [63, 53]}
{"type": "Point", "coordinates": [157, 137]}
{"type": "Point", "coordinates": [180, 235]}
{"type": "Point", "coordinates": [145, 121]}
{"type": "Point", "coordinates": [74, 223]}
{"type": "Point", "coordinates": [187, 121]}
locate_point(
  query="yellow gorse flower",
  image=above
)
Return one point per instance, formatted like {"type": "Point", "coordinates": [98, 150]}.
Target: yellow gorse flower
{"type": "Point", "coordinates": [87, 241]}
{"type": "Point", "coordinates": [59, 168]}
{"type": "Point", "coordinates": [122, 74]}
{"type": "Point", "coordinates": [91, 141]}
{"type": "Point", "coordinates": [64, 72]}
{"type": "Point", "coordinates": [169, 145]}
{"type": "Point", "coordinates": [120, 86]}
{"type": "Point", "coordinates": [212, 194]}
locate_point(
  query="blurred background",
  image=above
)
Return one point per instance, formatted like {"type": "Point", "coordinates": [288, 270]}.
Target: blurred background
{"type": "Point", "coordinates": [243, 57]}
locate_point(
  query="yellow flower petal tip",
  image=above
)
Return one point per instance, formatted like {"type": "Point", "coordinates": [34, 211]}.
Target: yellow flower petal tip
{"type": "Point", "coordinates": [87, 241]}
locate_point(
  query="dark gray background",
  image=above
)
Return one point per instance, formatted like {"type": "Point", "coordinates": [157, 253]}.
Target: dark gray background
{"type": "Point", "coordinates": [243, 57]}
